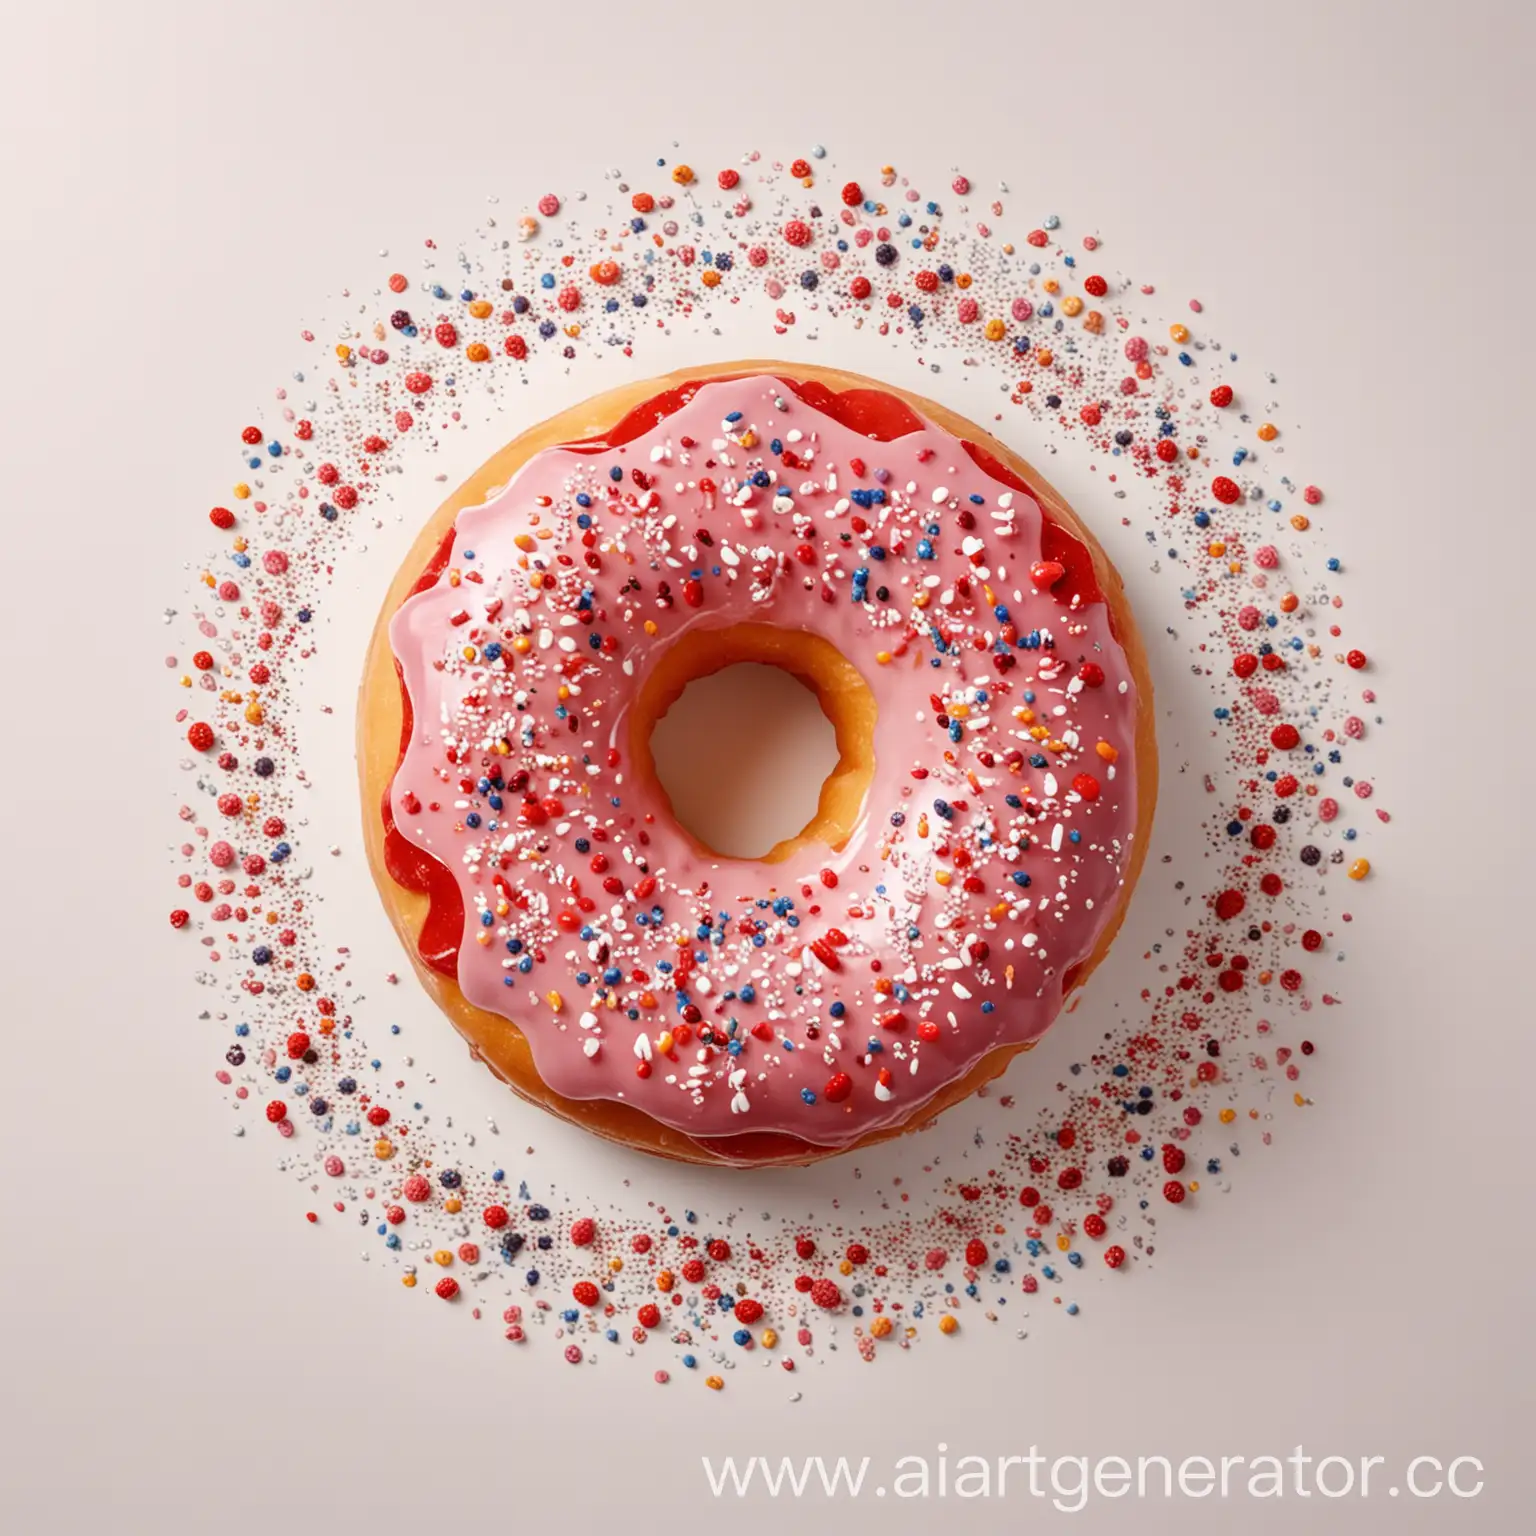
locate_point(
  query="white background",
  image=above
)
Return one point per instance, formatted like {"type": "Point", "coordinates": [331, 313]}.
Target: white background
{"type": "Point", "coordinates": [1345, 185]}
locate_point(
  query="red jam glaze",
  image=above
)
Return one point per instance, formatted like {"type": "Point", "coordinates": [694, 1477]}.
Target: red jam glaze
{"type": "Point", "coordinates": [872, 412]}
{"type": "Point", "coordinates": [443, 930]}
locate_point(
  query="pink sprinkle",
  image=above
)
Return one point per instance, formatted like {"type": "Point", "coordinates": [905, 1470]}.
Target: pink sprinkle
{"type": "Point", "coordinates": [661, 1378]}
{"type": "Point", "coordinates": [1249, 617]}
{"type": "Point", "coordinates": [1311, 495]}
{"type": "Point", "coordinates": [573, 1353]}
{"type": "Point", "coordinates": [1354, 727]}
{"type": "Point", "coordinates": [334, 1166]}
{"type": "Point", "coordinates": [1196, 305]}
{"type": "Point", "coordinates": [1136, 349]}
{"type": "Point", "coordinates": [1266, 556]}
{"type": "Point", "coordinates": [960, 186]}
{"type": "Point", "coordinates": [275, 561]}
{"type": "Point", "coordinates": [549, 205]}
{"type": "Point", "coordinates": [221, 855]}
{"type": "Point", "coordinates": [1327, 809]}
{"type": "Point", "coordinates": [1021, 309]}
{"type": "Point", "coordinates": [1364, 789]}
{"type": "Point", "coordinates": [1090, 242]}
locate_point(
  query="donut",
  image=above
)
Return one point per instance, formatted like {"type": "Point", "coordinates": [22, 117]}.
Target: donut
{"type": "Point", "coordinates": [972, 853]}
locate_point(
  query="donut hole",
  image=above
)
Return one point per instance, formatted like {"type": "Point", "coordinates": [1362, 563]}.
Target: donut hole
{"type": "Point", "coordinates": [743, 755]}
{"type": "Point", "coordinates": [760, 740]}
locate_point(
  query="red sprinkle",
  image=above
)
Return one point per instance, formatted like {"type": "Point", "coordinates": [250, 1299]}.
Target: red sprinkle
{"type": "Point", "coordinates": [825, 1293]}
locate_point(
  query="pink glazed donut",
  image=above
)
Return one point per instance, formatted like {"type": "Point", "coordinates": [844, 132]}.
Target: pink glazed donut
{"type": "Point", "coordinates": [972, 854]}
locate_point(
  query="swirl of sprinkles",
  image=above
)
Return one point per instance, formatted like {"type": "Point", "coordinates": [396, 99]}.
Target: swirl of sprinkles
{"type": "Point", "coordinates": [1268, 718]}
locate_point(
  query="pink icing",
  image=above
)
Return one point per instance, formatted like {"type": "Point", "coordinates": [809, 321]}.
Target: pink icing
{"type": "Point", "coordinates": [927, 977]}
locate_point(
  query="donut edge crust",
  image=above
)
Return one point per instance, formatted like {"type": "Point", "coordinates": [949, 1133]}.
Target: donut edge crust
{"type": "Point", "coordinates": [498, 1042]}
